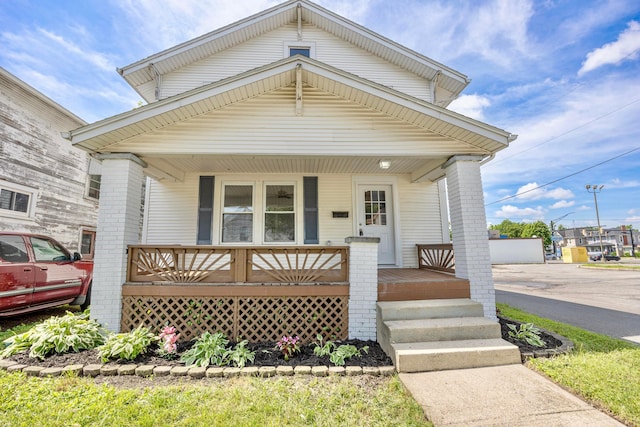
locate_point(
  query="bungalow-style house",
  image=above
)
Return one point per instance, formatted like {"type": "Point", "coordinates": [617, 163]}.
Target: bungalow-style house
{"type": "Point", "coordinates": [47, 186]}
{"type": "Point", "coordinates": [294, 160]}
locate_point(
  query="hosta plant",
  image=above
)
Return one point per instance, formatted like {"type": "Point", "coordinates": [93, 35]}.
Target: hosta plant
{"type": "Point", "coordinates": [128, 345]}
{"type": "Point", "coordinates": [63, 334]}
{"type": "Point", "coordinates": [240, 355]}
{"type": "Point", "coordinates": [209, 349]}
{"type": "Point", "coordinates": [526, 332]}
{"type": "Point", "coordinates": [340, 355]}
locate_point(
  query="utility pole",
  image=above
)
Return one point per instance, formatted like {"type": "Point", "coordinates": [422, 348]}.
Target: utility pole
{"type": "Point", "coordinates": [551, 226]}
{"type": "Point", "coordinates": [595, 189]}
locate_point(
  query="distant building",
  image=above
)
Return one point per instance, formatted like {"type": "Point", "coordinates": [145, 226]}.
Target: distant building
{"type": "Point", "coordinates": [47, 185]}
{"type": "Point", "coordinates": [614, 240]}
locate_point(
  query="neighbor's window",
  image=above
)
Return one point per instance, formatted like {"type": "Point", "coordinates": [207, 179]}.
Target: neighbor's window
{"type": "Point", "coordinates": [94, 186]}
{"type": "Point", "coordinates": [237, 214]}
{"type": "Point", "coordinates": [14, 200]}
{"type": "Point", "coordinates": [87, 243]}
{"type": "Point", "coordinates": [279, 216]}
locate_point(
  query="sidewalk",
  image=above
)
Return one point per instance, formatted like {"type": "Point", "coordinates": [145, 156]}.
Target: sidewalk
{"type": "Point", "coordinates": [511, 395]}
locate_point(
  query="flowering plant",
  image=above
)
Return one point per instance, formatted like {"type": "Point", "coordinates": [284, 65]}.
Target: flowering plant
{"type": "Point", "coordinates": [288, 346]}
{"type": "Point", "coordinates": [169, 340]}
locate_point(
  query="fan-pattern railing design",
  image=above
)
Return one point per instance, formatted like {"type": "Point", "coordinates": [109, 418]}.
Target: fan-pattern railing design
{"type": "Point", "coordinates": [437, 257]}
{"type": "Point", "coordinates": [210, 264]}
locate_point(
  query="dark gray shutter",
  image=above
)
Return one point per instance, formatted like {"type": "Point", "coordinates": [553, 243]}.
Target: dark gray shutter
{"type": "Point", "coordinates": [205, 210]}
{"type": "Point", "coordinates": [310, 184]}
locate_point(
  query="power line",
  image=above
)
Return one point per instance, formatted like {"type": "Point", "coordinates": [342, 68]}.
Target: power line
{"type": "Point", "coordinates": [564, 177]}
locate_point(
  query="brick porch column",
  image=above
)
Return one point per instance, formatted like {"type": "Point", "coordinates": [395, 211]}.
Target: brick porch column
{"type": "Point", "coordinates": [118, 226]}
{"type": "Point", "coordinates": [469, 229]}
{"type": "Point", "coordinates": [363, 286]}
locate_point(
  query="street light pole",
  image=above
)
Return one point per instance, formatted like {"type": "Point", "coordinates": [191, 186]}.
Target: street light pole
{"type": "Point", "coordinates": [596, 189]}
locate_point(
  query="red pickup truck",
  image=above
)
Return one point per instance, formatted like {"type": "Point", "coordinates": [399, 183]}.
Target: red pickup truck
{"type": "Point", "coordinates": [36, 272]}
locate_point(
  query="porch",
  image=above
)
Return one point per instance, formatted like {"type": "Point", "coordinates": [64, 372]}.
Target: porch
{"type": "Point", "coordinates": [263, 293]}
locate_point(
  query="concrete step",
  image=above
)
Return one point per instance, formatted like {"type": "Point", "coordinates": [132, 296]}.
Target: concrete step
{"type": "Point", "coordinates": [450, 329]}
{"type": "Point", "coordinates": [428, 309]}
{"type": "Point", "coordinates": [459, 354]}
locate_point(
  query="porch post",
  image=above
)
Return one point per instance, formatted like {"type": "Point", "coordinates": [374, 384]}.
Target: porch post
{"type": "Point", "coordinates": [118, 226]}
{"type": "Point", "coordinates": [469, 229]}
{"type": "Point", "coordinates": [363, 286]}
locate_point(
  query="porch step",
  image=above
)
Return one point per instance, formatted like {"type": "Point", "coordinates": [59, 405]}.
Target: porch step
{"type": "Point", "coordinates": [462, 354]}
{"type": "Point", "coordinates": [441, 334]}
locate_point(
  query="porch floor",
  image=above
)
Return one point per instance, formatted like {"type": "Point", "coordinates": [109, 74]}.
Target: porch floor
{"type": "Point", "coordinates": [405, 284]}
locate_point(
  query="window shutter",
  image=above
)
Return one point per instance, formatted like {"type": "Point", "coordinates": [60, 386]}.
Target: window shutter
{"type": "Point", "coordinates": [310, 184]}
{"type": "Point", "coordinates": [205, 210]}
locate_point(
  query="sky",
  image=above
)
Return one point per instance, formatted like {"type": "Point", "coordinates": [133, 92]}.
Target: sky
{"type": "Point", "coordinates": [564, 75]}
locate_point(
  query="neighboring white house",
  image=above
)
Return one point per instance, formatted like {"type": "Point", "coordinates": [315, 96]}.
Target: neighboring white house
{"type": "Point", "coordinates": [46, 185]}
{"type": "Point", "coordinates": [294, 127]}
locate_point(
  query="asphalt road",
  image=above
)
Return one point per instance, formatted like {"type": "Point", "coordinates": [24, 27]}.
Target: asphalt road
{"type": "Point", "coordinates": [602, 301]}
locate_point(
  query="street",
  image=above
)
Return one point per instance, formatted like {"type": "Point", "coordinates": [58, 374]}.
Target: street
{"type": "Point", "coordinates": [605, 301]}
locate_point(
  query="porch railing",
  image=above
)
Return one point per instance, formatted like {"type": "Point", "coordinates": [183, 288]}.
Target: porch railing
{"type": "Point", "coordinates": [217, 264]}
{"type": "Point", "coordinates": [436, 257]}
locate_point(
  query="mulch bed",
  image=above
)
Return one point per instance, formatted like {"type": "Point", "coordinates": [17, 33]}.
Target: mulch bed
{"type": "Point", "coordinates": [552, 342]}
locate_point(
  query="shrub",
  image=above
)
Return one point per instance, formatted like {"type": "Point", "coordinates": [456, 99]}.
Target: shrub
{"type": "Point", "coordinates": [209, 349]}
{"type": "Point", "coordinates": [63, 334]}
{"type": "Point", "coordinates": [128, 345]}
{"type": "Point", "coordinates": [527, 333]}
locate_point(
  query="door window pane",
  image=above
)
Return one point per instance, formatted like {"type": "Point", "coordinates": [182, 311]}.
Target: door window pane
{"type": "Point", "coordinates": [237, 216]}
{"type": "Point", "coordinates": [279, 217]}
{"type": "Point", "coordinates": [13, 249]}
{"type": "Point", "coordinates": [375, 208]}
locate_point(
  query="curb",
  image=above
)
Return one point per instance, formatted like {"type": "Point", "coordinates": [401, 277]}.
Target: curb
{"type": "Point", "coordinates": [147, 371]}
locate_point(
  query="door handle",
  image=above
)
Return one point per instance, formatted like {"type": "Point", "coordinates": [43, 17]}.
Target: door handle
{"type": "Point", "coordinates": [27, 269]}
{"type": "Point", "coordinates": [44, 268]}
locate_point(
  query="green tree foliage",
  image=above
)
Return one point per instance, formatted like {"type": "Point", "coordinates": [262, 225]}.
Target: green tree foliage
{"type": "Point", "coordinates": [509, 228]}
{"type": "Point", "coordinates": [538, 229]}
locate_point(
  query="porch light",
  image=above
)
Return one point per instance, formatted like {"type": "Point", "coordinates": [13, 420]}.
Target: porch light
{"type": "Point", "coordinates": [385, 164]}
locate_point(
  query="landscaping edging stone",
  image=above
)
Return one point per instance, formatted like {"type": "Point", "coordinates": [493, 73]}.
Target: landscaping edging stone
{"type": "Point", "coordinates": [147, 371]}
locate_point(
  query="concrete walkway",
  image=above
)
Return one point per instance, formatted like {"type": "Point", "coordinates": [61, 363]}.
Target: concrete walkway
{"type": "Point", "coordinates": [511, 395]}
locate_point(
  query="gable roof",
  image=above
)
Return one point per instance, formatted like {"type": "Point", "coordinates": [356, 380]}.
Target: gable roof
{"type": "Point", "coordinates": [208, 44]}
{"type": "Point", "coordinates": [451, 133]}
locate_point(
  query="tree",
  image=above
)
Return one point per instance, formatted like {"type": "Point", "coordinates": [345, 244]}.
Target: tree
{"type": "Point", "coordinates": [538, 229]}
{"type": "Point", "coordinates": [509, 228]}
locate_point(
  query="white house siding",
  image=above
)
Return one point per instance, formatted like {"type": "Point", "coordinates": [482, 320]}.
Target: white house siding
{"type": "Point", "coordinates": [266, 125]}
{"type": "Point", "coordinates": [419, 218]}
{"type": "Point", "coordinates": [172, 208]}
{"type": "Point", "coordinates": [270, 47]}
{"type": "Point", "coordinates": [34, 155]}
{"type": "Point", "coordinates": [171, 212]}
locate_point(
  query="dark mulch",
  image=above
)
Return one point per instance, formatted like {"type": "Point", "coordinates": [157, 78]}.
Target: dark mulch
{"type": "Point", "coordinates": [550, 341]}
{"type": "Point", "coordinates": [266, 355]}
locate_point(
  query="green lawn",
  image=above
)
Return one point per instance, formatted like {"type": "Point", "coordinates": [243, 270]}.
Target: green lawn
{"type": "Point", "coordinates": [602, 370]}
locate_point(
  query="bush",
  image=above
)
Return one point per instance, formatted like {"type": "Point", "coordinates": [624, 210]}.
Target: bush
{"type": "Point", "coordinates": [63, 334]}
{"type": "Point", "coordinates": [128, 345]}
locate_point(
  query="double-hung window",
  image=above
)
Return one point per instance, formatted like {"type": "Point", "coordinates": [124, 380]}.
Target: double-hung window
{"type": "Point", "coordinates": [16, 200]}
{"type": "Point", "coordinates": [237, 214]}
{"type": "Point", "coordinates": [279, 214]}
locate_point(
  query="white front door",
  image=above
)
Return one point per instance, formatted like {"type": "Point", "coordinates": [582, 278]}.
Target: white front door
{"type": "Point", "coordinates": [375, 219]}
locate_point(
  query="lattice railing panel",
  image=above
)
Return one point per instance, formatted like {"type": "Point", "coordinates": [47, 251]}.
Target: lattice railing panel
{"type": "Point", "coordinates": [437, 257]}
{"type": "Point", "coordinates": [256, 319]}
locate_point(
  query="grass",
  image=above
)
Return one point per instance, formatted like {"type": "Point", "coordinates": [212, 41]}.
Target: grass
{"type": "Point", "coordinates": [4, 334]}
{"type": "Point", "coordinates": [603, 370]}
{"type": "Point", "coordinates": [243, 401]}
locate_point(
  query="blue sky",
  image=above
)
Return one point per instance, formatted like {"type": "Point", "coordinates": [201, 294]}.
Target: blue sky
{"type": "Point", "coordinates": [562, 74]}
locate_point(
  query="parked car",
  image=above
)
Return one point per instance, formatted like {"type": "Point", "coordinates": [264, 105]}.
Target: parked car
{"type": "Point", "coordinates": [550, 257]}
{"type": "Point", "coordinates": [598, 257]}
{"type": "Point", "coordinates": [36, 272]}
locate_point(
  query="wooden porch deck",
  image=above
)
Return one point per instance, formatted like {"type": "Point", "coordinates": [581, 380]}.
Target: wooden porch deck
{"type": "Point", "coordinates": [405, 284]}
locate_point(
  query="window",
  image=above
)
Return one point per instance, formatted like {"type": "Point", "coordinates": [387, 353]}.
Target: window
{"type": "Point", "coordinates": [47, 250]}
{"type": "Point", "coordinates": [237, 214]}
{"type": "Point", "coordinates": [14, 201]}
{"type": "Point", "coordinates": [94, 186]}
{"type": "Point", "coordinates": [87, 243]}
{"type": "Point", "coordinates": [304, 51]}
{"type": "Point", "coordinates": [279, 215]}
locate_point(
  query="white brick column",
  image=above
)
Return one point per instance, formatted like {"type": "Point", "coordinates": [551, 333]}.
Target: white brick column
{"type": "Point", "coordinates": [118, 226]}
{"type": "Point", "coordinates": [363, 286]}
{"type": "Point", "coordinates": [469, 229]}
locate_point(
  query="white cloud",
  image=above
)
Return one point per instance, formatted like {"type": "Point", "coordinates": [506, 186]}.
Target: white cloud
{"type": "Point", "coordinates": [532, 191]}
{"type": "Point", "coordinates": [510, 211]}
{"type": "Point", "coordinates": [619, 183]}
{"type": "Point", "coordinates": [626, 47]}
{"type": "Point", "coordinates": [470, 106]}
{"type": "Point", "coordinates": [562, 204]}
